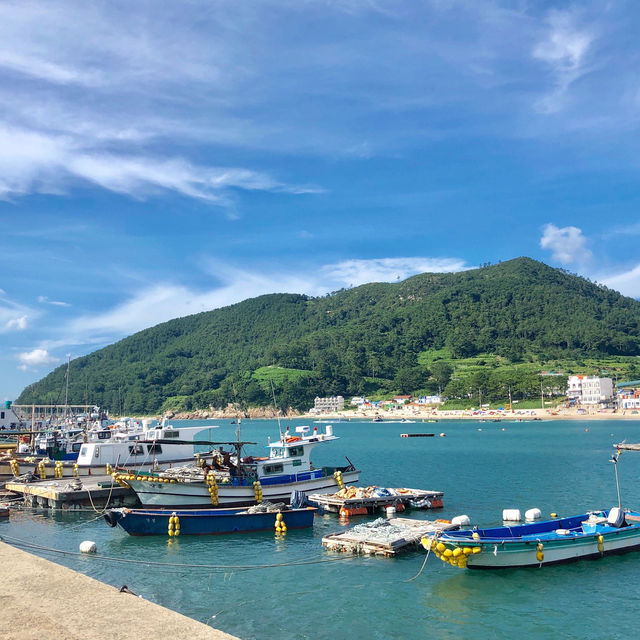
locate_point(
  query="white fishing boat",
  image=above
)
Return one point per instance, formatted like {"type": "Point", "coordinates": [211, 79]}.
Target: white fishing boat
{"type": "Point", "coordinates": [143, 448]}
{"type": "Point", "coordinates": [246, 480]}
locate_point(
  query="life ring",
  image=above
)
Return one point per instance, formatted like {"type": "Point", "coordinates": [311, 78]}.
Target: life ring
{"type": "Point", "coordinates": [292, 439]}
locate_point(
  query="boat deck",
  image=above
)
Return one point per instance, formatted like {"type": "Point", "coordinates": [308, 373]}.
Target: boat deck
{"type": "Point", "coordinates": [333, 503]}
{"type": "Point", "coordinates": [67, 493]}
{"type": "Point", "coordinates": [385, 538]}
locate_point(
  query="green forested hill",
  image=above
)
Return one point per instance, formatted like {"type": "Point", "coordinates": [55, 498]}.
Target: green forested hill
{"type": "Point", "coordinates": [403, 337]}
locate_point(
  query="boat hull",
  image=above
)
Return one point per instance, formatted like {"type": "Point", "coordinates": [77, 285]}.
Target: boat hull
{"type": "Point", "coordinates": [195, 494]}
{"type": "Point", "coordinates": [140, 522]}
{"type": "Point", "coordinates": [538, 545]}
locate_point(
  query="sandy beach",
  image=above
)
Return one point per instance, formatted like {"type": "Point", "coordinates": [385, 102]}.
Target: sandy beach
{"type": "Point", "coordinates": [429, 413]}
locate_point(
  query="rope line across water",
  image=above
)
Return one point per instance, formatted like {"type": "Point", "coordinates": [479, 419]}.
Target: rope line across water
{"type": "Point", "coordinates": [209, 567]}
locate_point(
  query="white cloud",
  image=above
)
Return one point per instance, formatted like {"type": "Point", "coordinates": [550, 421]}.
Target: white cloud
{"type": "Point", "coordinates": [627, 282]}
{"type": "Point", "coordinates": [35, 358]}
{"type": "Point", "coordinates": [567, 244]}
{"type": "Point", "coordinates": [17, 323]}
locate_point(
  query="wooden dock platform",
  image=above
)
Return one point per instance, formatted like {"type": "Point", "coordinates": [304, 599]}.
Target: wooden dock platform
{"type": "Point", "coordinates": [69, 493]}
{"type": "Point", "coordinates": [385, 538]}
{"type": "Point", "coordinates": [408, 498]}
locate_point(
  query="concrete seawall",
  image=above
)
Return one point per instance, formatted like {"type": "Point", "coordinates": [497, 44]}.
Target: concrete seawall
{"type": "Point", "coordinates": [41, 599]}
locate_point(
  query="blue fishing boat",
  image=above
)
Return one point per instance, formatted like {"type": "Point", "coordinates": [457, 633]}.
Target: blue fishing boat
{"type": "Point", "coordinates": [588, 535]}
{"type": "Point", "coordinates": [148, 522]}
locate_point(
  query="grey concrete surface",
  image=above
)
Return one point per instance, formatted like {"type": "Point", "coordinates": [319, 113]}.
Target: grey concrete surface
{"type": "Point", "coordinates": [44, 600]}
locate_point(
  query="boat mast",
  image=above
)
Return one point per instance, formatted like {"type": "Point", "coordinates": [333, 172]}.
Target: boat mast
{"type": "Point", "coordinates": [66, 391]}
{"type": "Point", "coordinates": [614, 459]}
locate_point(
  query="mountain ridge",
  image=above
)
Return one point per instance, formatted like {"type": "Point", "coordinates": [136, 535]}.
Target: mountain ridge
{"type": "Point", "coordinates": [351, 341]}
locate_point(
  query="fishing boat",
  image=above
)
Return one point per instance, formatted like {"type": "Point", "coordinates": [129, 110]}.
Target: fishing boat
{"type": "Point", "coordinates": [588, 535]}
{"type": "Point", "coordinates": [142, 447]}
{"type": "Point", "coordinates": [244, 480]}
{"type": "Point", "coordinates": [148, 522]}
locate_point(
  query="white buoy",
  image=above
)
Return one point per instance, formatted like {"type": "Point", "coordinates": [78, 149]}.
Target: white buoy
{"type": "Point", "coordinates": [88, 546]}
{"type": "Point", "coordinates": [511, 515]}
{"type": "Point", "coordinates": [391, 512]}
{"type": "Point", "coordinates": [463, 521]}
{"type": "Point", "coordinates": [533, 514]}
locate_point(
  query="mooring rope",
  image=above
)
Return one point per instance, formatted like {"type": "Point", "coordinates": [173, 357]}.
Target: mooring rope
{"type": "Point", "coordinates": [424, 562]}
{"type": "Point", "coordinates": [173, 565]}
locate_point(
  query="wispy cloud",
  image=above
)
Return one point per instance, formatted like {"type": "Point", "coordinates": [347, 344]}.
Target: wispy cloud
{"type": "Point", "coordinates": [355, 272]}
{"type": "Point", "coordinates": [35, 162]}
{"type": "Point", "coordinates": [564, 49]}
{"type": "Point", "coordinates": [13, 315]}
{"type": "Point", "coordinates": [55, 303]}
{"type": "Point", "coordinates": [567, 244]}
{"type": "Point", "coordinates": [163, 301]}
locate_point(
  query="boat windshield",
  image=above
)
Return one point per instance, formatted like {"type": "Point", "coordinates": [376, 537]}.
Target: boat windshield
{"type": "Point", "coordinates": [277, 452]}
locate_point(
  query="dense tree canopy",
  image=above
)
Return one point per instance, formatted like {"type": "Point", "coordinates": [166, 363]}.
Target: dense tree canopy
{"type": "Point", "coordinates": [355, 341]}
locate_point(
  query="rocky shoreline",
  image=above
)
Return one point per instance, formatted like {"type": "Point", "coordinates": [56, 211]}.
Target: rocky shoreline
{"type": "Point", "coordinates": [253, 413]}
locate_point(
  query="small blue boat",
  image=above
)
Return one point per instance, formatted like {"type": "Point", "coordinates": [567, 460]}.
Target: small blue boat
{"type": "Point", "coordinates": [589, 535]}
{"type": "Point", "coordinates": [149, 522]}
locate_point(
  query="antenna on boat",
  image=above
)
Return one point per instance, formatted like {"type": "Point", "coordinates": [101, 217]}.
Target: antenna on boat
{"type": "Point", "coordinates": [614, 459]}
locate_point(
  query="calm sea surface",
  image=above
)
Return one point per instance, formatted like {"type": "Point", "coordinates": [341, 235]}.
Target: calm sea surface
{"type": "Point", "coordinates": [482, 468]}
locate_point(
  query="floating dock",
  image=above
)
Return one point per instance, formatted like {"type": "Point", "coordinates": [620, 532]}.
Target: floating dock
{"type": "Point", "coordinates": [385, 538]}
{"type": "Point", "coordinates": [354, 501]}
{"type": "Point", "coordinates": [97, 491]}
{"type": "Point", "coordinates": [417, 435]}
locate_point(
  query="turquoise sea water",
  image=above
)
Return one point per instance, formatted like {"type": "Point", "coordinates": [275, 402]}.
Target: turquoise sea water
{"type": "Point", "coordinates": [482, 468]}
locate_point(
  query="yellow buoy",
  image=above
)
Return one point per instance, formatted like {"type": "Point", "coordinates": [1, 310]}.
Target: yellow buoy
{"type": "Point", "coordinates": [440, 547]}
{"type": "Point", "coordinates": [462, 561]}
{"type": "Point", "coordinates": [600, 544]}
{"type": "Point", "coordinates": [448, 553]}
{"type": "Point", "coordinates": [467, 551]}
{"type": "Point", "coordinates": [539, 552]}
{"type": "Point", "coordinates": [457, 551]}
{"type": "Point", "coordinates": [476, 549]}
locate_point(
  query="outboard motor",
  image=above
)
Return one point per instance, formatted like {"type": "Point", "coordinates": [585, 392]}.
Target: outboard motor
{"type": "Point", "coordinates": [616, 517]}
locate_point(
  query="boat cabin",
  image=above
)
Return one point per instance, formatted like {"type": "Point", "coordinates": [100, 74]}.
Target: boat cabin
{"type": "Point", "coordinates": [290, 457]}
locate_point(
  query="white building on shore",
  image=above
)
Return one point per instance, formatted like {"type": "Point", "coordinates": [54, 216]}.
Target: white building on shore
{"type": "Point", "coordinates": [589, 389]}
{"type": "Point", "coordinates": [328, 405]}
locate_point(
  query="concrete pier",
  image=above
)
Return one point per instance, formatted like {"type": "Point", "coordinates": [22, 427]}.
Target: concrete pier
{"type": "Point", "coordinates": [61, 494]}
{"type": "Point", "coordinates": [41, 599]}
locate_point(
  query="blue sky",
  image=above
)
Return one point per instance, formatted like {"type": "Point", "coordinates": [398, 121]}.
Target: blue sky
{"type": "Point", "coordinates": [160, 159]}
